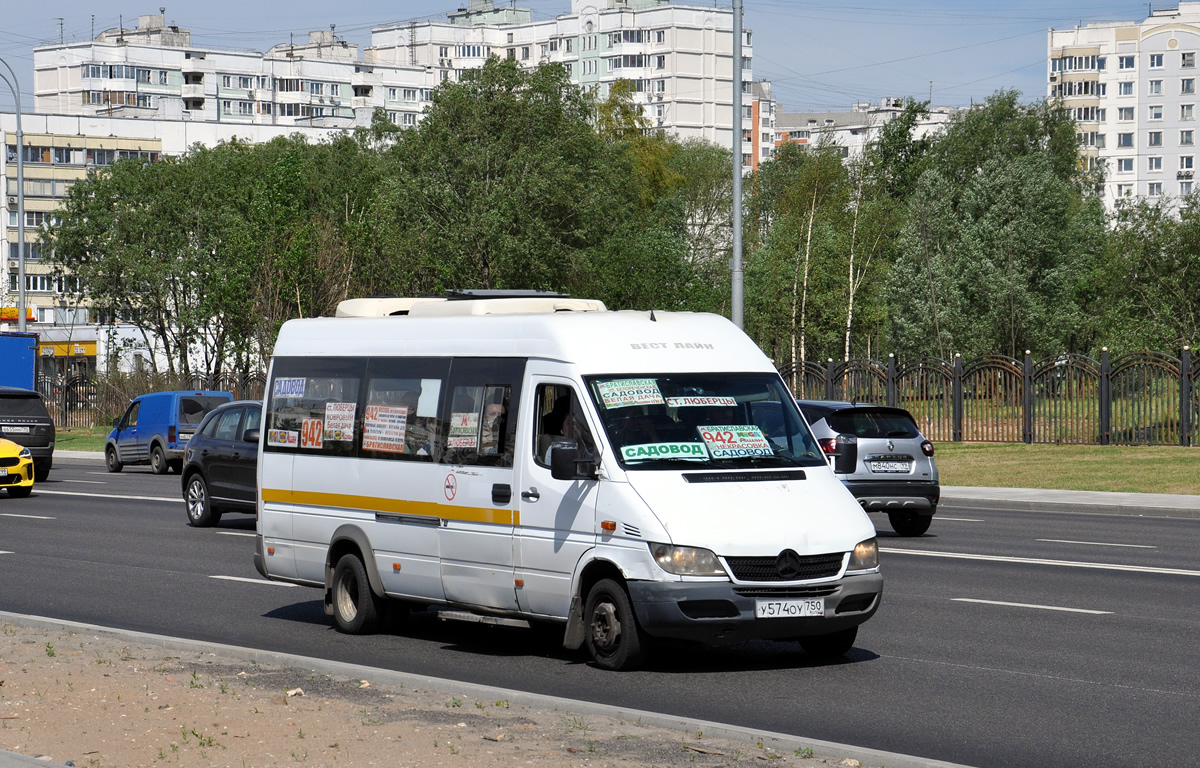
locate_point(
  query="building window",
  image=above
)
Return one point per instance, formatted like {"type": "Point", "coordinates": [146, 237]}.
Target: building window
{"type": "Point", "coordinates": [316, 89]}
{"type": "Point", "coordinates": [570, 45]}
{"type": "Point", "coordinates": [410, 94]}
{"type": "Point", "coordinates": [1187, 85]}
{"type": "Point", "coordinates": [245, 107]}
{"type": "Point", "coordinates": [1125, 89]}
{"type": "Point", "coordinates": [1155, 189]}
{"type": "Point", "coordinates": [1185, 162]}
{"type": "Point", "coordinates": [1156, 61]}
{"type": "Point", "coordinates": [1187, 60]}
{"type": "Point", "coordinates": [245, 83]}
{"type": "Point", "coordinates": [1126, 62]}
{"type": "Point", "coordinates": [226, 81]}
{"type": "Point", "coordinates": [660, 62]}
{"type": "Point", "coordinates": [1187, 111]}
{"type": "Point", "coordinates": [1154, 163]}
{"type": "Point", "coordinates": [1126, 139]}
{"type": "Point", "coordinates": [1187, 138]}
{"type": "Point", "coordinates": [1126, 113]}
{"type": "Point", "coordinates": [1124, 190]}
{"type": "Point", "coordinates": [660, 36]}
{"type": "Point", "coordinates": [264, 107]}
{"type": "Point", "coordinates": [1155, 112]}
{"type": "Point", "coordinates": [226, 107]}
{"type": "Point", "coordinates": [1185, 188]}
{"type": "Point", "coordinates": [1154, 139]}
{"type": "Point", "coordinates": [162, 77]}
{"type": "Point", "coordinates": [1155, 87]}
{"type": "Point", "coordinates": [1125, 164]}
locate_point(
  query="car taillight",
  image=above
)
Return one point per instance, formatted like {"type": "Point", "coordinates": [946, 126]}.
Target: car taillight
{"type": "Point", "coordinates": [170, 434]}
{"type": "Point", "coordinates": [927, 448]}
{"type": "Point", "coordinates": [829, 445]}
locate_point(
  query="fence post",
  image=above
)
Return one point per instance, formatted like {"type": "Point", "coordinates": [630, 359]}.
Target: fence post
{"type": "Point", "coordinates": [1105, 397]}
{"type": "Point", "coordinates": [891, 380]}
{"type": "Point", "coordinates": [956, 428]}
{"type": "Point", "coordinates": [829, 379]}
{"type": "Point", "coordinates": [1027, 397]}
{"type": "Point", "coordinates": [1185, 397]}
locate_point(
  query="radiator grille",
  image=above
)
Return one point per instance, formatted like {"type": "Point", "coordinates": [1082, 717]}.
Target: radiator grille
{"type": "Point", "coordinates": [767, 568]}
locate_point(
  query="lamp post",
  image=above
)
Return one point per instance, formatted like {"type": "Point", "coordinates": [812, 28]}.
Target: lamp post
{"type": "Point", "coordinates": [736, 265]}
{"type": "Point", "coordinates": [15, 86]}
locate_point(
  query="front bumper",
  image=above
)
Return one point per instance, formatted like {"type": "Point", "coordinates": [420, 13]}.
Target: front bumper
{"type": "Point", "coordinates": [725, 612]}
{"type": "Point", "coordinates": [895, 496]}
{"type": "Point", "coordinates": [20, 475]}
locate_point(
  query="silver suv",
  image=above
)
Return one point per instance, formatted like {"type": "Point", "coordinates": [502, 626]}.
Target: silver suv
{"type": "Point", "coordinates": [882, 457]}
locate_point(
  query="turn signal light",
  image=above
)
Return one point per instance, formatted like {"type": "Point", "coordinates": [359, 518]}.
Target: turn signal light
{"type": "Point", "coordinates": [608, 525]}
{"type": "Point", "coordinates": [927, 448]}
{"type": "Point", "coordinates": [829, 445]}
{"type": "Point", "coordinates": [270, 550]}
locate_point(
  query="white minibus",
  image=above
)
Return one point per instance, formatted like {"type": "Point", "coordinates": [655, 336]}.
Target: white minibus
{"type": "Point", "coordinates": [532, 458]}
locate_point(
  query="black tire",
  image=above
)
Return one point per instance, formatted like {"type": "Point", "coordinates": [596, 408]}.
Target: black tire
{"type": "Point", "coordinates": [909, 523]}
{"type": "Point", "coordinates": [355, 607]}
{"type": "Point", "coordinates": [41, 470]}
{"type": "Point", "coordinates": [198, 503]}
{"type": "Point", "coordinates": [831, 646]}
{"type": "Point", "coordinates": [610, 628]}
{"type": "Point", "coordinates": [158, 461]}
{"type": "Point", "coordinates": [111, 461]}
{"type": "Point", "coordinates": [19, 491]}
{"type": "Point", "coordinates": [177, 466]}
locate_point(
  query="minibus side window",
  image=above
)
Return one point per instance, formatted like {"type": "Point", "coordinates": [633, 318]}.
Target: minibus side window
{"type": "Point", "coordinates": [481, 425]}
{"type": "Point", "coordinates": [401, 411]}
{"type": "Point", "coordinates": [313, 406]}
{"type": "Point", "coordinates": [559, 417]}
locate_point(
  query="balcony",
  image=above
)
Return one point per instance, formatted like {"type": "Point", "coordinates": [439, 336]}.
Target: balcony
{"type": "Point", "coordinates": [192, 91]}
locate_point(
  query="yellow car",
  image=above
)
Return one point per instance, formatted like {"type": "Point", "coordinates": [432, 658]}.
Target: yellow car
{"type": "Point", "coordinates": [16, 468]}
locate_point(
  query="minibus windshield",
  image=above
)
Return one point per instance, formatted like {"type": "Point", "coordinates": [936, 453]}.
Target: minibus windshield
{"type": "Point", "coordinates": [661, 421]}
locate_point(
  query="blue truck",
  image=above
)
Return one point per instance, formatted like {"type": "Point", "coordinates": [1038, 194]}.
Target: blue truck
{"type": "Point", "coordinates": [18, 360]}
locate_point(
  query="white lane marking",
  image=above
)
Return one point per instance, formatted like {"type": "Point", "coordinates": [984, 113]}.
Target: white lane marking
{"type": "Point", "coordinates": [960, 519]}
{"type": "Point", "coordinates": [1028, 605]}
{"type": "Point", "coordinates": [236, 533]}
{"type": "Point", "coordinates": [89, 482]}
{"type": "Point", "coordinates": [102, 474]}
{"type": "Point", "coordinates": [29, 517]}
{"type": "Point", "coordinates": [111, 496]}
{"type": "Point", "coordinates": [6, 552]}
{"type": "Point", "coordinates": [1036, 561]}
{"type": "Point", "coordinates": [253, 581]}
{"type": "Point", "coordinates": [1098, 543]}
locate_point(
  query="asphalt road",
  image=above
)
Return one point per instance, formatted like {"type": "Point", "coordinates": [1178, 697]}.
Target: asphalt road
{"type": "Point", "coordinates": [1005, 637]}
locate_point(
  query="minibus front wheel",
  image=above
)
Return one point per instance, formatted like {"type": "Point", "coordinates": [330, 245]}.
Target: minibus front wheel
{"type": "Point", "coordinates": [611, 633]}
{"type": "Point", "coordinates": [355, 607]}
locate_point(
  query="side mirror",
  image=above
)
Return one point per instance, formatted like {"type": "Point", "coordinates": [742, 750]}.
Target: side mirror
{"type": "Point", "coordinates": [563, 454]}
{"type": "Point", "coordinates": [117, 422]}
{"type": "Point", "coordinates": [250, 436]}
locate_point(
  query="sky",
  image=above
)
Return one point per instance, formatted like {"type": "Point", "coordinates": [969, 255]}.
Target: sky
{"type": "Point", "coordinates": [820, 55]}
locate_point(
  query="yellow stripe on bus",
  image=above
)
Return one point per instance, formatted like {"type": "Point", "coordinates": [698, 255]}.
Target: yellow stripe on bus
{"type": "Point", "coordinates": [497, 516]}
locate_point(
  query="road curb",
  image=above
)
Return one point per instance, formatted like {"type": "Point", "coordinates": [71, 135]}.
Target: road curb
{"type": "Point", "coordinates": [1073, 502]}
{"type": "Point", "coordinates": [778, 742]}
{"type": "Point", "coordinates": [1068, 507]}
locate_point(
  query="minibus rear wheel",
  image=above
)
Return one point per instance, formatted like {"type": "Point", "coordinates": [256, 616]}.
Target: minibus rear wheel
{"type": "Point", "coordinates": [355, 607]}
{"type": "Point", "coordinates": [612, 635]}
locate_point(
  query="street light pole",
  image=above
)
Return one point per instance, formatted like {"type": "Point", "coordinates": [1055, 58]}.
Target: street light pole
{"type": "Point", "coordinates": [736, 266]}
{"type": "Point", "coordinates": [15, 86]}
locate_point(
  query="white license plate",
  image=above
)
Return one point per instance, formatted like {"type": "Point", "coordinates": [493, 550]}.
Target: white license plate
{"type": "Point", "coordinates": [890, 466]}
{"type": "Point", "coordinates": [184, 438]}
{"type": "Point", "coordinates": [789, 609]}
{"type": "Point", "coordinates": [15, 430]}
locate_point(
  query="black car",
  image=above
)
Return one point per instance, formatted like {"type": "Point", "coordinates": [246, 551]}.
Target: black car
{"type": "Point", "coordinates": [221, 461]}
{"type": "Point", "coordinates": [25, 420]}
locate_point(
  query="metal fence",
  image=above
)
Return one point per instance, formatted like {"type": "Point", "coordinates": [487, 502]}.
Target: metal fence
{"type": "Point", "coordinates": [1140, 398]}
{"type": "Point", "coordinates": [95, 400]}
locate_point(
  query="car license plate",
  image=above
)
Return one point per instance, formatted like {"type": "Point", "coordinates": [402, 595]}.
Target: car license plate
{"type": "Point", "coordinates": [185, 436]}
{"type": "Point", "coordinates": [789, 609]}
{"type": "Point", "coordinates": [890, 466]}
{"type": "Point", "coordinates": [16, 430]}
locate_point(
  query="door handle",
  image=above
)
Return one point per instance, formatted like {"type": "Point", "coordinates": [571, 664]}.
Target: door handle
{"type": "Point", "coordinates": [531, 495]}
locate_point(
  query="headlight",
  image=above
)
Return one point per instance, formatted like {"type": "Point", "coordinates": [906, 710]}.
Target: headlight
{"type": "Point", "coordinates": [25, 454]}
{"type": "Point", "coordinates": [686, 561]}
{"type": "Point", "coordinates": [865, 556]}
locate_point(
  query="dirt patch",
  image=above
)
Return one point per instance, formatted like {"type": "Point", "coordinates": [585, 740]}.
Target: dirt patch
{"type": "Point", "coordinates": [95, 700]}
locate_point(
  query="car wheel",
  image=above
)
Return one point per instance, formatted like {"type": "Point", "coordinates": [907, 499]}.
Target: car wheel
{"type": "Point", "coordinates": [20, 491]}
{"type": "Point", "coordinates": [199, 506]}
{"type": "Point", "coordinates": [831, 646]}
{"type": "Point", "coordinates": [909, 523]}
{"type": "Point", "coordinates": [176, 466]}
{"type": "Point", "coordinates": [158, 461]}
{"type": "Point", "coordinates": [355, 607]}
{"type": "Point", "coordinates": [612, 635]}
{"type": "Point", "coordinates": [111, 461]}
{"type": "Point", "coordinates": [41, 471]}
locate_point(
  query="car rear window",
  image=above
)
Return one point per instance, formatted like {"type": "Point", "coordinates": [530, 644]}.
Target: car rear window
{"type": "Point", "coordinates": [193, 408]}
{"type": "Point", "coordinates": [22, 405]}
{"type": "Point", "coordinates": [873, 422]}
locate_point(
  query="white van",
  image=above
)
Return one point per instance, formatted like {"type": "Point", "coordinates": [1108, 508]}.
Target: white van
{"type": "Point", "coordinates": [521, 458]}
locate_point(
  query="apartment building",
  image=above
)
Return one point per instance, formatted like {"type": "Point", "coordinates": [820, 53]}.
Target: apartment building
{"type": "Point", "coordinates": [1131, 88]}
{"type": "Point", "coordinates": [679, 57]}
{"type": "Point", "coordinates": [154, 72]}
{"type": "Point", "coordinates": [856, 129]}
